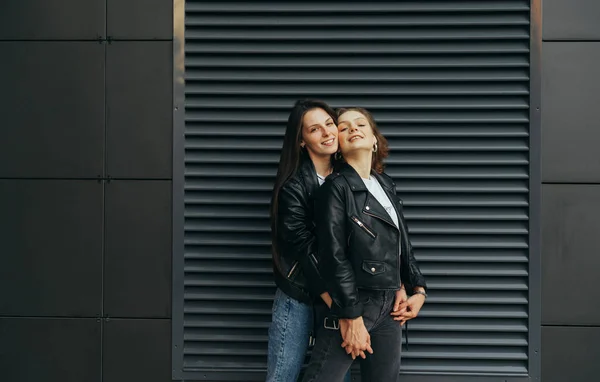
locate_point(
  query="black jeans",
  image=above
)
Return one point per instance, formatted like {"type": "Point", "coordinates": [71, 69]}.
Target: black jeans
{"type": "Point", "coordinates": [329, 361]}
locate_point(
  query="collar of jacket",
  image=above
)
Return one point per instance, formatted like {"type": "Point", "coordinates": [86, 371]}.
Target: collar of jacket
{"type": "Point", "coordinates": [371, 205]}
{"type": "Point", "coordinates": [356, 183]}
{"type": "Point", "coordinates": [309, 175]}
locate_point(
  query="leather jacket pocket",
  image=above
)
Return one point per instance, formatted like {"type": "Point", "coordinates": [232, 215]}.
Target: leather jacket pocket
{"type": "Point", "coordinates": [373, 267]}
{"type": "Point", "coordinates": [363, 226]}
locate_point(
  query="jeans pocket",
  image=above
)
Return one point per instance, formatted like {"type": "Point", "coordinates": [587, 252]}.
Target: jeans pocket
{"type": "Point", "coordinates": [365, 299]}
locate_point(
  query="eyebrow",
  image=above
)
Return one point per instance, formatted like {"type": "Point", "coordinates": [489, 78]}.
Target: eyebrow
{"type": "Point", "coordinates": [317, 124]}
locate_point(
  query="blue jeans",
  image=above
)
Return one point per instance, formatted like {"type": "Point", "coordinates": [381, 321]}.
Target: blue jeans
{"type": "Point", "coordinates": [289, 334]}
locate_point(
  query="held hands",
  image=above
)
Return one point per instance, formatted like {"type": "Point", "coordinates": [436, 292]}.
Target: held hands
{"type": "Point", "coordinates": [356, 337]}
{"type": "Point", "coordinates": [407, 308]}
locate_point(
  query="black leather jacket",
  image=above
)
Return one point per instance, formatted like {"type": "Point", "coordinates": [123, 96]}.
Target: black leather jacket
{"type": "Point", "coordinates": [295, 263]}
{"type": "Point", "coordinates": [358, 241]}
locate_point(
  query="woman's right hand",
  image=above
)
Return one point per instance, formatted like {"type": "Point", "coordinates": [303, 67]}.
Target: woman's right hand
{"type": "Point", "coordinates": [356, 337]}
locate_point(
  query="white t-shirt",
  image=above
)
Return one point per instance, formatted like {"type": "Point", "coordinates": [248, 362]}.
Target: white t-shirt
{"type": "Point", "coordinates": [320, 179]}
{"type": "Point", "coordinates": [375, 189]}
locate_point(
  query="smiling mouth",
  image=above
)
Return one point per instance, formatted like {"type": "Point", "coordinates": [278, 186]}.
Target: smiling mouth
{"type": "Point", "coordinates": [355, 138]}
{"type": "Point", "coordinates": [328, 142]}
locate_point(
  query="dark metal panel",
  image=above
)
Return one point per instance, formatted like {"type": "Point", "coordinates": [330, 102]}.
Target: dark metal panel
{"type": "Point", "coordinates": [52, 108]}
{"type": "Point", "coordinates": [570, 354]}
{"type": "Point", "coordinates": [51, 235]}
{"type": "Point", "coordinates": [139, 99]}
{"type": "Point", "coordinates": [137, 265]}
{"type": "Point", "coordinates": [453, 98]}
{"type": "Point", "coordinates": [136, 350]}
{"type": "Point", "coordinates": [571, 217]}
{"type": "Point", "coordinates": [571, 20]}
{"type": "Point", "coordinates": [140, 19]}
{"type": "Point", "coordinates": [570, 89]}
{"type": "Point", "coordinates": [50, 349]}
{"type": "Point", "coordinates": [58, 20]}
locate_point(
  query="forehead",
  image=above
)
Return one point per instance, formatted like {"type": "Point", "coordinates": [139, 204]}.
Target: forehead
{"type": "Point", "coordinates": [350, 116]}
{"type": "Point", "coordinates": [315, 116]}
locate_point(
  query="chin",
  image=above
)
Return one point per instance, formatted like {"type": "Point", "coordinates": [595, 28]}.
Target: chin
{"type": "Point", "coordinates": [329, 150]}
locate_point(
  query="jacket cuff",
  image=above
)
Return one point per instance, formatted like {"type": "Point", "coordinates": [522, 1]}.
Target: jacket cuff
{"type": "Point", "coordinates": [352, 312]}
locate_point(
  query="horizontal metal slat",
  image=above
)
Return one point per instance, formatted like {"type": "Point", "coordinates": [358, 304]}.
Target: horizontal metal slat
{"type": "Point", "coordinates": [281, 105]}
{"type": "Point", "coordinates": [504, 60]}
{"type": "Point", "coordinates": [389, 48]}
{"type": "Point", "coordinates": [286, 76]}
{"type": "Point", "coordinates": [349, 33]}
{"type": "Point", "coordinates": [323, 89]}
{"type": "Point", "coordinates": [390, 18]}
{"type": "Point", "coordinates": [476, 283]}
{"type": "Point", "coordinates": [278, 7]}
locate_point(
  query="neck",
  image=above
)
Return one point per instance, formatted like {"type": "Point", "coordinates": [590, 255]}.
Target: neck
{"type": "Point", "coordinates": [361, 163]}
{"type": "Point", "coordinates": [322, 164]}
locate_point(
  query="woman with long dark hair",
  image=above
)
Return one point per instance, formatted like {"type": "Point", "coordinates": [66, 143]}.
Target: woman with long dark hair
{"type": "Point", "coordinates": [306, 159]}
{"type": "Point", "coordinates": [366, 260]}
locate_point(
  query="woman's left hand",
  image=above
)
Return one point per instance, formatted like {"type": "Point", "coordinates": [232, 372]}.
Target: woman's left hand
{"type": "Point", "coordinates": [401, 297]}
{"type": "Point", "coordinates": [409, 309]}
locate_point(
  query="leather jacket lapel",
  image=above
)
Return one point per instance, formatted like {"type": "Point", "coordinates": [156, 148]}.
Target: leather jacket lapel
{"type": "Point", "coordinates": [374, 208]}
{"type": "Point", "coordinates": [371, 206]}
{"type": "Point", "coordinates": [309, 175]}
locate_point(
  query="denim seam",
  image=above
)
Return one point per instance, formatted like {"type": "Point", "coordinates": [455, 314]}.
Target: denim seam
{"type": "Point", "coordinates": [278, 367]}
{"type": "Point", "coordinates": [323, 359]}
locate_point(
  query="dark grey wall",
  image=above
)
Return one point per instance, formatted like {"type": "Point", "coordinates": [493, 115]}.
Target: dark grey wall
{"type": "Point", "coordinates": [85, 263]}
{"type": "Point", "coordinates": [570, 191]}
{"type": "Point", "coordinates": [85, 190]}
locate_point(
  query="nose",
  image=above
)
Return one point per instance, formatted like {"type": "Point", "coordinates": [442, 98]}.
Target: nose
{"type": "Point", "coordinates": [353, 128]}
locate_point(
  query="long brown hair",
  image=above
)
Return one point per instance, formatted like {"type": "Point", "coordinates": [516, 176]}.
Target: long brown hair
{"type": "Point", "coordinates": [383, 149]}
{"type": "Point", "coordinates": [292, 156]}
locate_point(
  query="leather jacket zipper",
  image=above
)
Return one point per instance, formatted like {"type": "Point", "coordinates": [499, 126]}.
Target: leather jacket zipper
{"type": "Point", "coordinates": [291, 272]}
{"type": "Point", "coordinates": [363, 226]}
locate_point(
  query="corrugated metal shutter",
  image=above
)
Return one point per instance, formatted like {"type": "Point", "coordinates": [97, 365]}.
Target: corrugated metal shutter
{"type": "Point", "coordinates": [448, 83]}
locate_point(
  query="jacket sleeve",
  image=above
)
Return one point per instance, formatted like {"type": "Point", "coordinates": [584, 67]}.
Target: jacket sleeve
{"type": "Point", "coordinates": [411, 273]}
{"type": "Point", "coordinates": [295, 230]}
{"type": "Point", "coordinates": [332, 235]}
{"type": "Point", "coordinates": [415, 276]}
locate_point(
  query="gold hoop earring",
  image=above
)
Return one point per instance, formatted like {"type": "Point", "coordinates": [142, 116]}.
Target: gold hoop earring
{"type": "Point", "coordinates": [375, 148]}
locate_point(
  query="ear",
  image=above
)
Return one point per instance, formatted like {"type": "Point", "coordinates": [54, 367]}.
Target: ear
{"type": "Point", "coordinates": [302, 144]}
